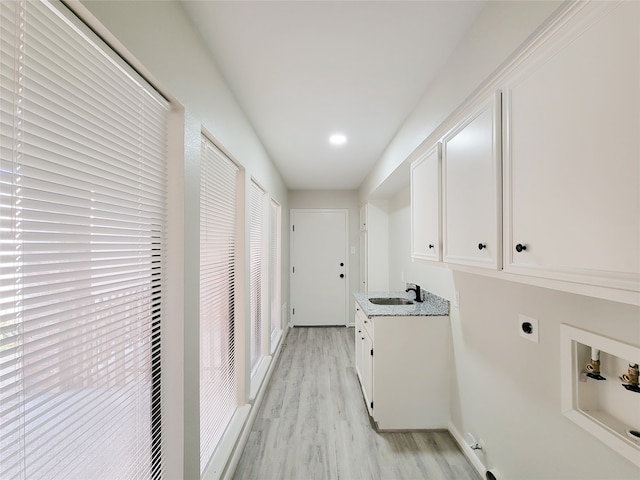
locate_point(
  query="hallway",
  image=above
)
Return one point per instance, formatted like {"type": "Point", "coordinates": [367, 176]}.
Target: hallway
{"type": "Point", "coordinates": [313, 424]}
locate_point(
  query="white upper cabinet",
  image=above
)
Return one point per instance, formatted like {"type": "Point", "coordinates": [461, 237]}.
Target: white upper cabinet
{"type": "Point", "coordinates": [425, 206]}
{"type": "Point", "coordinates": [471, 173]}
{"type": "Point", "coordinates": [571, 156]}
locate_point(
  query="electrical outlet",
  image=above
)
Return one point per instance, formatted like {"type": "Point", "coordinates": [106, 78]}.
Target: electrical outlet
{"type": "Point", "coordinates": [528, 328]}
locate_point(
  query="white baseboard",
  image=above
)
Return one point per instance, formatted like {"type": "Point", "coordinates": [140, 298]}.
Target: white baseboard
{"type": "Point", "coordinates": [467, 451]}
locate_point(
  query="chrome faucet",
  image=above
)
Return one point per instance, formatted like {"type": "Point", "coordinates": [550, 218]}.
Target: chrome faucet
{"type": "Point", "coordinates": [415, 288]}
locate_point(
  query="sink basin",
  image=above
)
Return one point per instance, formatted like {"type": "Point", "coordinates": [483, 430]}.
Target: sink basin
{"type": "Point", "coordinates": [391, 301]}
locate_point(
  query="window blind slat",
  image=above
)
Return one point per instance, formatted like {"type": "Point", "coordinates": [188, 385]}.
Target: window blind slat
{"type": "Point", "coordinates": [57, 199]}
{"type": "Point", "coordinates": [82, 213]}
{"type": "Point", "coordinates": [111, 327]}
{"type": "Point", "coordinates": [256, 239]}
{"type": "Point", "coordinates": [218, 378]}
{"type": "Point", "coordinates": [46, 142]}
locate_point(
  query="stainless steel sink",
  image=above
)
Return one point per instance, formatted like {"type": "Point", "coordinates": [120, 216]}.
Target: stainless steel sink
{"type": "Point", "coordinates": [391, 301]}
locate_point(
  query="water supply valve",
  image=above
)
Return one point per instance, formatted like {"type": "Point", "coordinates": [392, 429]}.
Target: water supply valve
{"type": "Point", "coordinates": [630, 379]}
{"type": "Point", "coordinates": [593, 367]}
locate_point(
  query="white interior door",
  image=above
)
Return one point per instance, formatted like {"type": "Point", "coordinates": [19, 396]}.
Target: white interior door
{"type": "Point", "coordinates": [319, 284]}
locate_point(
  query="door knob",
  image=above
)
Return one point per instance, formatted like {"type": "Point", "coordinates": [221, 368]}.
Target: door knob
{"type": "Point", "coordinates": [430, 245]}
{"type": "Point", "coordinates": [481, 246]}
{"type": "Point", "coordinates": [342, 275]}
{"type": "Point", "coordinates": [342, 264]}
{"type": "Point", "coordinates": [520, 247]}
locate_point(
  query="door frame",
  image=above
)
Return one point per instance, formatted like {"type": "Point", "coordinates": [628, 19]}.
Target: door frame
{"type": "Point", "coordinates": [346, 256]}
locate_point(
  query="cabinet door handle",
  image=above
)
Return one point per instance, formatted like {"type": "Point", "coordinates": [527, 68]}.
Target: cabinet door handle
{"type": "Point", "coordinates": [520, 247]}
{"type": "Point", "coordinates": [481, 246]}
{"type": "Point", "coordinates": [430, 245]}
{"type": "Point", "coordinates": [342, 275]}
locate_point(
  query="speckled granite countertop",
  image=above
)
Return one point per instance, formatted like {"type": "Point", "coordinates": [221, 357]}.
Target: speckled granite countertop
{"type": "Point", "coordinates": [431, 306]}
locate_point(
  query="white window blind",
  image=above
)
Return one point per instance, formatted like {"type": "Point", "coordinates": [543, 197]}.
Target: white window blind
{"type": "Point", "coordinates": [256, 242]}
{"type": "Point", "coordinates": [274, 268]}
{"type": "Point", "coordinates": [218, 219]}
{"type": "Point", "coordinates": [82, 190]}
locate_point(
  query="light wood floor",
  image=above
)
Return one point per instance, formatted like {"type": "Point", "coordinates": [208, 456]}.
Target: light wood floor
{"type": "Point", "coordinates": [313, 423]}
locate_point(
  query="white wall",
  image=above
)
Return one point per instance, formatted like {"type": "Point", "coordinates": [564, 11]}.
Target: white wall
{"type": "Point", "coordinates": [158, 39]}
{"type": "Point", "coordinates": [506, 390]}
{"type": "Point", "coordinates": [347, 199]}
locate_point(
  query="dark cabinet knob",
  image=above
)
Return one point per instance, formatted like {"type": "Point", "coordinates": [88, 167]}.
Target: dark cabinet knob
{"type": "Point", "coordinates": [342, 275]}
{"type": "Point", "coordinates": [430, 245]}
{"type": "Point", "coordinates": [342, 264]}
{"type": "Point", "coordinates": [481, 246]}
{"type": "Point", "coordinates": [520, 247]}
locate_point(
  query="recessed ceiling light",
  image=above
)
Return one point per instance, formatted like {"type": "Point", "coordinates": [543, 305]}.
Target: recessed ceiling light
{"type": "Point", "coordinates": [337, 139]}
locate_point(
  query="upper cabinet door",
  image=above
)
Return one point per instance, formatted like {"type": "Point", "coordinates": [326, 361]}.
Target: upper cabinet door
{"type": "Point", "coordinates": [471, 170]}
{"type": "Point", "coordinates": [425, 206]}
{"type": "Point", "coordinates": [572, 153]}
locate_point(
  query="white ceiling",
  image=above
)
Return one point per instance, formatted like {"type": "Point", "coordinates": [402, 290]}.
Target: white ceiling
{"type": "Point", "coordinates": [302, 70]}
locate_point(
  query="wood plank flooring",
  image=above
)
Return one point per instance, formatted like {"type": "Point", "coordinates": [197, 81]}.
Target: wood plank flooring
{"type": "Point", "coordinates": [313, 423]}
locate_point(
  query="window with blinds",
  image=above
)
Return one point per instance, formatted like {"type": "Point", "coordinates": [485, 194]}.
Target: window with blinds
{"type": "Point", "coordinates": [274, 268]}
{"type": "Point", "coordinates": [82, 213]}
{"type": "Point", "coordinates": [218, 220]}
{"type": "Point", "coordinates": [256, 251]}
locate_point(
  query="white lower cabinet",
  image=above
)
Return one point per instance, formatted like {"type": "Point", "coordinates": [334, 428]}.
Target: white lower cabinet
{"type": "Point", "coordinates": [403, 367]}
{"type": "Point", "coordinates": [364, 360]}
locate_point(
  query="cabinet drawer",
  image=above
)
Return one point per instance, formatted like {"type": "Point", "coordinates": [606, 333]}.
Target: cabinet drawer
{"type": "Point", "coordinates": [362, 321]}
